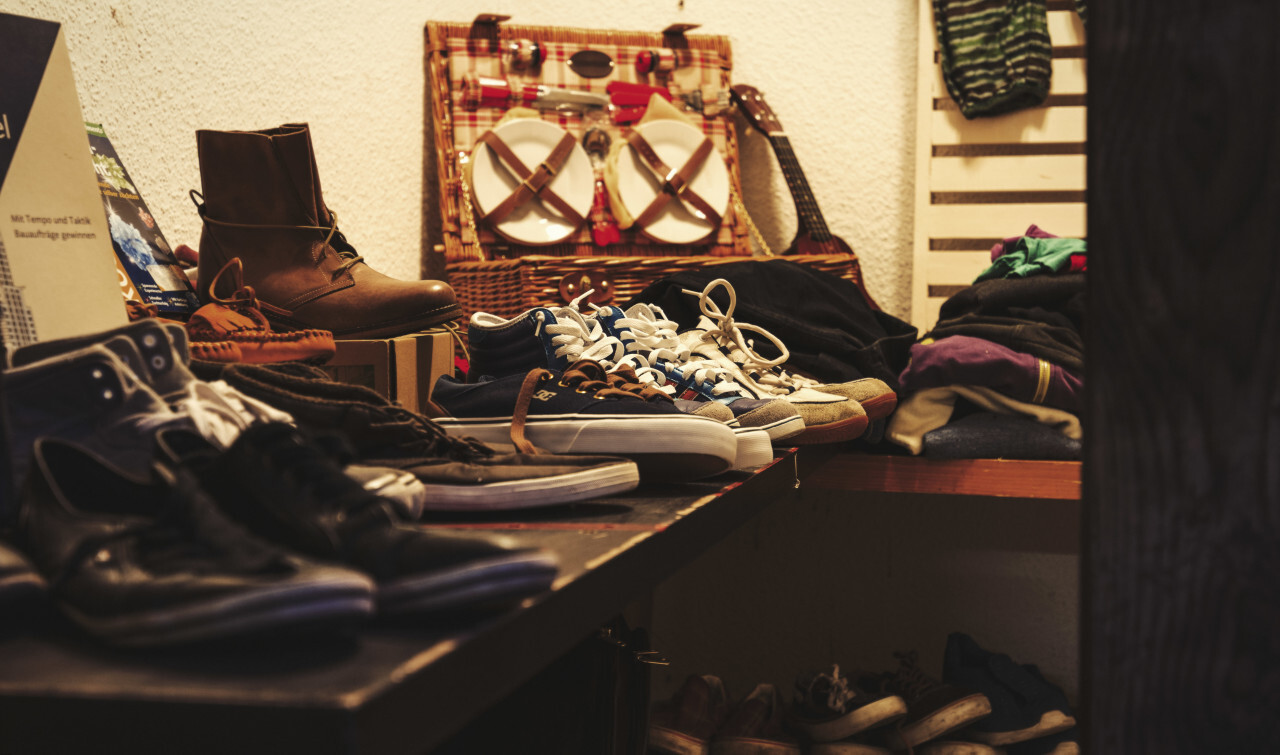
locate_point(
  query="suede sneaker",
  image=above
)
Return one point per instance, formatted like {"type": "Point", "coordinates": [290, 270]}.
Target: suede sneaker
{"type": "Point", "coordinates": [577, 411]}
{"type": "Point", "coordinates": [933, 708]}
{"type": "Point", "coordinates": [138, 561]}
{"type": "Point", "coordinates": [829, 707]}
{"type": "Point", "coordinates": [283, 487]}
{"type": "Point", "coordinates": [1023, 705]}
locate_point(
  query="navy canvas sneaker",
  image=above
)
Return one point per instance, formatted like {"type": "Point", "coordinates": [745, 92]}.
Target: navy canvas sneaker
{"type": "Point", "coordinates": [578, 411]}
{"type": "Point", "coordinates": [1023, 704]}
{"type": "Point", "coordinates": [138, 560]}
{"type": "Point", "coordinates": [645, 333]}
{"type": "Point", "coordinates": [278, 483]}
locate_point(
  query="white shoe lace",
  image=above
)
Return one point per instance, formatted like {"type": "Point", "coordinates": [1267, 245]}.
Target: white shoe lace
{"type": "Point", "coordinates": [727, 334]}
{"type": "Point", "coordinates": [574, 338]}
{"type": "Point", "coordinates": [651, 337]}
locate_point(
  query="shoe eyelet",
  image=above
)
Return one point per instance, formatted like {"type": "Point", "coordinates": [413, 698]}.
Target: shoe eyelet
{"type": "Point", "coordinates": [149, 341]}
{"type": "Point", "coordinates": [97, 373]}
{"type": "Point", "coordinates": [158, 362]}
{"type": "Point", "coordinates": [108, 394]}
{"type": "Point", "coordinates": [562, 384]}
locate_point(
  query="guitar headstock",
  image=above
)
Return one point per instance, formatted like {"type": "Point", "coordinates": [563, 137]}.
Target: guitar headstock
{"type": "Point", "coordinates": [758, 112]}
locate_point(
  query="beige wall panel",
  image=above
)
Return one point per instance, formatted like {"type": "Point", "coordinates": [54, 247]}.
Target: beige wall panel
{"type": "Point", "coordinates": [968, 221]}
{"type": "Point", "coordinates": [1012, 173]}
{"type": "Point", "coordinates": [1058, 124]}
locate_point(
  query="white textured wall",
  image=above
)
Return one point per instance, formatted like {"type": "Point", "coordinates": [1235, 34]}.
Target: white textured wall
{"type": "Point", "coordinates": [840, 76]}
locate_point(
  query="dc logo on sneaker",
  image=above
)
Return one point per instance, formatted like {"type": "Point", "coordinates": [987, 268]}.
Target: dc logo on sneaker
{"type": "Point", "coordinates": [544, 395]}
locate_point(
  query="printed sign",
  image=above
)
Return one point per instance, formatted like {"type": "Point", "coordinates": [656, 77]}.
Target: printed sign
{"type": "Point", "coordinates": [56, 261]}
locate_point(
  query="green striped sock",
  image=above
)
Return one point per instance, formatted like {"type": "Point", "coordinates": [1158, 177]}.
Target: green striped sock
{"type": "Point", "coordinates": [996, 54]}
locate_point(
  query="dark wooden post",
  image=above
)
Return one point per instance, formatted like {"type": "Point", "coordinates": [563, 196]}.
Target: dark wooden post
{"type": "Point", "coordinates": [1181, 630]}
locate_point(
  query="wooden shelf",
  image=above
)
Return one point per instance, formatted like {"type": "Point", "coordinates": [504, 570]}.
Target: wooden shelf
{"type": "Point", "coordinates": [1007, 478]}
{"type": "Point", "coordinates": [395, 688]}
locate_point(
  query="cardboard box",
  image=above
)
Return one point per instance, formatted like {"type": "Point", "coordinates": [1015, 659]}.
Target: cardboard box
{"type": "Point", "coordinates": [403, 369]}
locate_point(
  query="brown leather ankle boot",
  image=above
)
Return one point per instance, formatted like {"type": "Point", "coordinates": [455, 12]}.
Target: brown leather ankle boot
{"type": "Point", "coordinates": [262, 203]}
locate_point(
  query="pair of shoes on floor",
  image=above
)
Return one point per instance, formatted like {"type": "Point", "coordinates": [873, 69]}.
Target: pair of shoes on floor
{"type": "Point", "coordinates": [1029, 715]}
{"type": "Point", "coordinates": [700, 719]}
{"type": "Point", "coordinates": [832, 714]}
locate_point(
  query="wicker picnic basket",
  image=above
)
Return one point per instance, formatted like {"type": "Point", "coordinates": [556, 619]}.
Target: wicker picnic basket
{"type": "Point", "coordinates": [491, 273]}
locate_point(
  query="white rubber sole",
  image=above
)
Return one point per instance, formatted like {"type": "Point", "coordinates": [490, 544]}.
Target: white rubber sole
{"type": "Point", "coordinates": [603, 480]}
{"type": "Point", "coordinates": [678, 446]}
{"type": "Point", "coordinates": [1051, 722]}
{"type": "Point", "coordinates": [755, 448]}
{"type": "Point", "coordinates": [869, 716]}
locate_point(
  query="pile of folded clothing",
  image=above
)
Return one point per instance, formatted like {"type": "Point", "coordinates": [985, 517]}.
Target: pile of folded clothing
{"type": "Point", "coordinates": [1001, 374]}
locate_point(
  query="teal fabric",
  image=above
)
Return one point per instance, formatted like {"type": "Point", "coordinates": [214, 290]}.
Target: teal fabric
{"type": "Point", "coordinates": [1032, 256]}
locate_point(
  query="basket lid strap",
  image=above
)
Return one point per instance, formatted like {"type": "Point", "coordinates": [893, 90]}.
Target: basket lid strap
{"type": "Point", "coordinates": [534, 183]}
{"type": "Point", "coordinates": [675, 183]}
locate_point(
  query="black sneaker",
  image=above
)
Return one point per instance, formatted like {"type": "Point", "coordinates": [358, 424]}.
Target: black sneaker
{"type": "Point", "coordinates": [19, 582]}
{"type": "Point", "coordinates": [933, 708]}
{"type": "Point", "coordinates": [138, 561]}
{"type": "Point", "coordinates": [460, 474]}
{"type": "Point", "coordinates": [1023, 705]}
{"type": "Point", "coordinates": [286, 488]}
{"type": "Point", "coordinates": [829, 707]}
{"type": "Point", "coordinates": [577, 411]}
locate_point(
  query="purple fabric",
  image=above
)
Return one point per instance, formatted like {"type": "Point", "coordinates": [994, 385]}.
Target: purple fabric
{"type": "Point", "coordinates": [965, 360]}
{"type": "Point", "coordinates": [1007, 245]}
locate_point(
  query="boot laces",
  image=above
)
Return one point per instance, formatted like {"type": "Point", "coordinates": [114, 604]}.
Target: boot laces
{"type": "Point", "coordinates": [339, 243]}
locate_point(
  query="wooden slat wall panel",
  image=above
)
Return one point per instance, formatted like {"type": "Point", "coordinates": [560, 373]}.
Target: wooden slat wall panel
{"type": "Point", "coordinates": [982, 180]}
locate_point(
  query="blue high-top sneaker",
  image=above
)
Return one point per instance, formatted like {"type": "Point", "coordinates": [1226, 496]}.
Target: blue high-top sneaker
{"type": "Point", "coordinates": [542, 338]}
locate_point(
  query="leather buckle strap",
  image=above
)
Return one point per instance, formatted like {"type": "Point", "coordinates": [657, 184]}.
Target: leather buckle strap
{"type": "Point", "coordinates": [533, 183]}
{"type": "Point", "coordinates": [675, 183]}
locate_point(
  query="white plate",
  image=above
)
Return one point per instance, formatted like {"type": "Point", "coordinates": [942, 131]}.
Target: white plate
{"type": "Point", "coordinates": [535, 222]}
{"type": "Point", "coordinates": [674, 141]}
